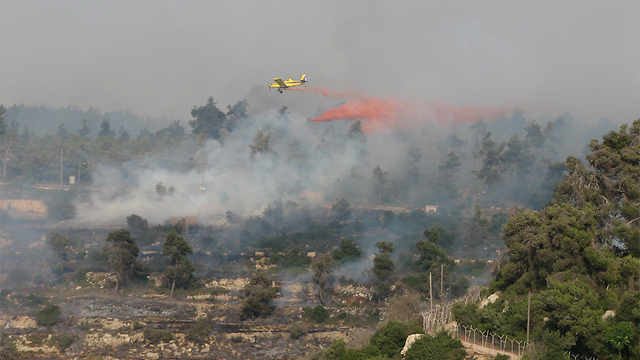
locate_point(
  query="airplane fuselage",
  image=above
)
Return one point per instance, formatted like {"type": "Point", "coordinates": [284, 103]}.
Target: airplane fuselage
{"type": "Point", "coordinates": [280, 84]}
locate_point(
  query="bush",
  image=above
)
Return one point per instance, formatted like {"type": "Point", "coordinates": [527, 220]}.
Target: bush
{"type": "Point", "coordinates": [155, 336]}
{"type": "Point", "coordinates": [297, 330]}
{"type": "Point", "coordinates": [8, 349]}
{"type": "Point", "coordinates": [200, 331]}
{"type": "Point", "coordinates": [62, 210]}
{"type": "Point", "coordinates": [442, 346]}
{"type": "Point", "coordinates": [390, 339]}
{"type": "Point", "coordinates": [61, 342]}
{"type": "Point", "coordinates": [319, 314]}
{"type": "Point", "coordinates": [48, 315]}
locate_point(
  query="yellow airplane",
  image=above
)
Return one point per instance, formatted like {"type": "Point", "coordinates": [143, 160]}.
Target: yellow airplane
{"type": "Point", "coordinates": [281, 85]}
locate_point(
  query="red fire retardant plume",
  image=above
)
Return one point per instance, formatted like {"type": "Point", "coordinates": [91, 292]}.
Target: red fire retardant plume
{"type": "Point", "coordinates": [379, 115]}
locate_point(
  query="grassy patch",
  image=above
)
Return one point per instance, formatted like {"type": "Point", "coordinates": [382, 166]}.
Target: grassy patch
{"type": "Point", "coordinates": [37, 339]}
{"type": "Point", "coordinates": [155, 336]}
{"type": "Point", "coordinates": [61, 342]}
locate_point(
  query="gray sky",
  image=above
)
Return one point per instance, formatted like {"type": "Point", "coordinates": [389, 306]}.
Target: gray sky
{"type": "Point", "coordinates": [161, 57]}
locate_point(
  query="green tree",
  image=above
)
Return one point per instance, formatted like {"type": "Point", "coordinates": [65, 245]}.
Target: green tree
{"type": "Point", "coordinates": [105, 128]}
{"type": "Point", "coordinates": [171, 134]}
{"type": "Point", "coordinates": [447, 170]}
{"type": "Point", "coordinates": [236, 113]}
{"type": "Point", "coordinates": [341, 208]}
{"type": "Point", "coordinates": [180, 271]}
{"type": "Point", "coordinates": [139, 229]}
{"type": "Point", "coordinates": [414, 155]}
{"type": "Point", "coordinates": [493, 165]}
{"type": "Point", "coordinates": [319, 314]}
{"type": "Point", "coordinates": [61, 132]}
{"type": "Point", "coordinates": [347, 251]}
{"type": "Point", "coordinates": [431, 255]}
{"type": "Point", "coordinates": [84, 130]}
{"type": "Point", "coordinates": [355, 131]}
{"type": "Point", "coordinates": [619, 338]}
{"type": "Point", "coordinates": [383, 268]}
{"type": "Point", "coordinates": [208, 119]}
{"type": "Point", "coordinates": [122, 253]}
{"type": "Point", "coordinates": [258, 293]}
{"type": "Point", "coordinates": [382, 187]}
{"type": "Point", "coordinates": [59, 244]}
{"type": "Point", "coordinates": [552, 240]}
{"type": "Point", "coordinates": [123, 135]}
{"type": "Point", "coordinates": [322, 277]}
{"type": "Point", "coordinates": [611, 185]}
{"type": "Point", "coordinates": [261, 144]}
{"type": "Point", "coordinates": [3, 124]}
{"type": "Point", "coordinates": [534, 136]}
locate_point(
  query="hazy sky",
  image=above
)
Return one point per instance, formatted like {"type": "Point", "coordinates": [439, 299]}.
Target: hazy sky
{"type": "Point", "coordinates": [161, 57]}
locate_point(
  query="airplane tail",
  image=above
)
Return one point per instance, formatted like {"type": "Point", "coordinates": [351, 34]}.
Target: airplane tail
{"type": "Point", "coordinates": [303, 78]}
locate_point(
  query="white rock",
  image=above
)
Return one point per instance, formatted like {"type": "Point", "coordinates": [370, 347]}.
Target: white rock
{"type": "Point", "coordinates": [410, 340]}
{"type": "Point", "coordinates": [608, 314]}
{"type": "Point", "coordinates": [489, 300]}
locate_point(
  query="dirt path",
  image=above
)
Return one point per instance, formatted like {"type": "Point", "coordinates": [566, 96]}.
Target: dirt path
{"type": "Point", "coordinates": [487, 350]}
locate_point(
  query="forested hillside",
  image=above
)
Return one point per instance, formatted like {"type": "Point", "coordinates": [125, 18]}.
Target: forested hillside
{"type": "Point", "coordinates": [579, 258]}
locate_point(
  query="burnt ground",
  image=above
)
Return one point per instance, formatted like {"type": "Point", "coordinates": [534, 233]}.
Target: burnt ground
{"type": "Point", "coordinates": [112, 327]}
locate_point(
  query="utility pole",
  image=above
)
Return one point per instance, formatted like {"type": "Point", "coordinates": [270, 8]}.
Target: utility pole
{"type": "Point", "coordinates": [441, 284]}
{"type": "Point", "coordinates": [528, 316]}
{"type": "Point", "coordinates": [337, 183]}
{"type": "Point", "coordinates": [5, 158]}
{"type": "Point", "coordinates": [61, 161]}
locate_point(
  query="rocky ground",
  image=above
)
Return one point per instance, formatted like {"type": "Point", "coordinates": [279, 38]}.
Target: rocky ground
{"type": "Point", "coordinates": [100, 325]}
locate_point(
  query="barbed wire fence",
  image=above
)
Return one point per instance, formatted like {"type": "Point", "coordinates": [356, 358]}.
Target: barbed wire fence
{"type": "Point", "coordinates": [440, 318]}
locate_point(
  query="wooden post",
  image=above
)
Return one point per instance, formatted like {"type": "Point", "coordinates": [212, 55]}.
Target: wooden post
{"type": "Point", "coordinates": [430, 291]}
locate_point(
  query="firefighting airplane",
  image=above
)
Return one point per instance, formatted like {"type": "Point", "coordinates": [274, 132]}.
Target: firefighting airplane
{"type": "Point", "coordinates": [281, 85]}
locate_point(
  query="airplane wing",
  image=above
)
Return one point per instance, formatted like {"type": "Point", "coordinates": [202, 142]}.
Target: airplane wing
{"type": "Point", "coordinates": [280, 82]}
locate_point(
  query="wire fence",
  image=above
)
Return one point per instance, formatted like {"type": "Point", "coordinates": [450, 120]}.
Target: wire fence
{"type": "Point", "coordinates": [440, 318]}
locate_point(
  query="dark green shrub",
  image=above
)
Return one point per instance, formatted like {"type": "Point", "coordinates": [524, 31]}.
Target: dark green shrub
{"type": "Point", "coordinates": [61, 210]}
{"type": "Point", "coordinates": [390, 339]}
{"type": "Point", "coordinates": [199, 332]}
{"type": "Point", "coordinates": [155, 336]}
{"type": "Point", "coordinates": [8, 349]}
{"type": "Point", "coordinates": [61, 342]}
{"type": "Point", "coordinates": [34, 300]}
{"type": "Point", "coordinates": [319, 314]}
{"type": "Point", "coordinates": [442, 346]}
{"type": "Point", "coordinates": [297, 330]}
{"type": "Point", "coordinates": [48, 315]}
